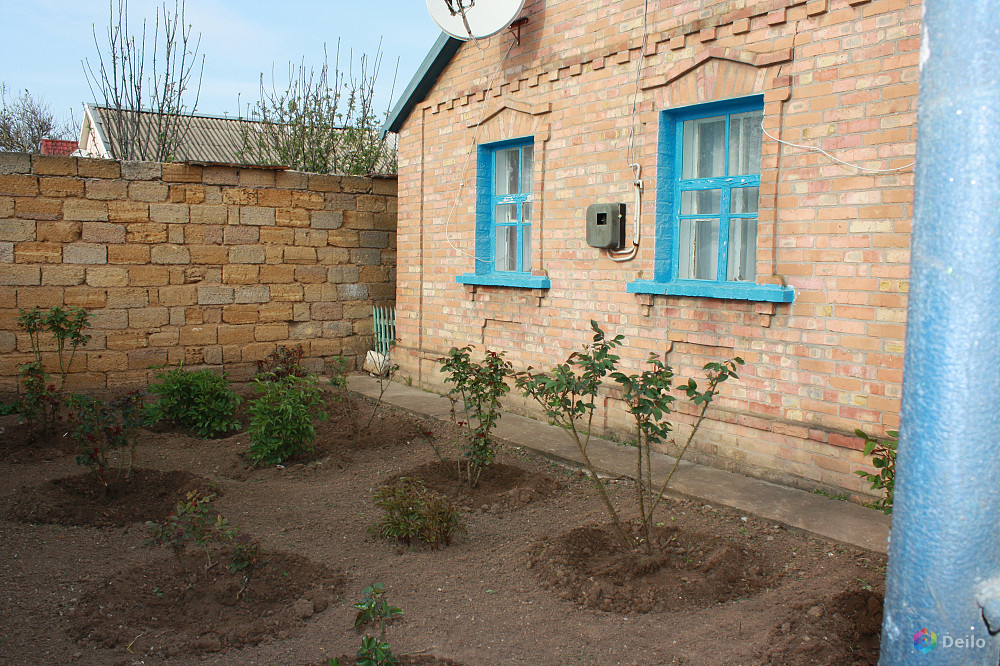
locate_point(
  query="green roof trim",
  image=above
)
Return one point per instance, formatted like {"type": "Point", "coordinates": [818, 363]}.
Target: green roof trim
{"type": "Point", "coordinates": [426, 76]}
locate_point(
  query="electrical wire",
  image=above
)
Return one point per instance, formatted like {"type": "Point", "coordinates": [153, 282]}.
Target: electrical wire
{"type": "Point", "coordinates": [633, 164]}
{"type": "Point", "coordinates": [468, 156]}
{"type": "Point", "coordinates": [835, 159]}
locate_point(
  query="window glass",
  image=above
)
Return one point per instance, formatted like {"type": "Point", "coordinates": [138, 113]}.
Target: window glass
{"type": "Point", "coordinates": [704, 148]}
{"type": "Point", "coordinates": [701, 202]}
{"type": "Point", "coordinates": [505, 214]}
{"type": "Point", "coordinates": [743, 200]}
{"type": "Point", "coordinates": [527, 167]}
{"type": "Point", "coordinates": [506, 249]}
{"type": "Point", "coordinates": [742, 250]}
{"type": "Point", "coordinates": [699, 250]}
{"type": "Point", "coordinates": [526, 249]}
{"type": "Point", "coordinates": [745, 141]}
{"type": "Point", "coordinates": [507, 171]}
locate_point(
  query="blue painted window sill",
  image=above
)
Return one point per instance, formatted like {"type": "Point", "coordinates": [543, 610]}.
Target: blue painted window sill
{"type": "Point", "coordinates": [770, 293]}
{"type": "Point", "coordinates": [522, 280]}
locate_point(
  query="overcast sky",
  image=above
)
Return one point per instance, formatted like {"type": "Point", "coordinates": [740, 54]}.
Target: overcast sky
{"type": "Point", "coordinates": [44, 42]}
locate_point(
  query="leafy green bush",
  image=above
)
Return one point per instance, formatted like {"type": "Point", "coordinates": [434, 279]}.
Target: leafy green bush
{"type": "Point", "coordinates": [195, 521]}
{"type": "Point", "coordinates": [883, 455]}
{"type": "Point", "coordinates": [103, 429]}
{"type": "Point", "coordinates": [197, 399]}
{"type": "Point", "coordinates": [480, 387]}
{"type": "Point", "coordinates": [373, 609]}
{"type": "Point", "coordinates": [42, 399]}
{"type": "Point", "coordinates": [281, 418]}
{"type": "Point", "coordinates": [414, 513]}
{"type": "Point", "coordinates": [569, 396]}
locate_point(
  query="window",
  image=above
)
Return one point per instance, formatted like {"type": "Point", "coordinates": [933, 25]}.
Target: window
{"type": "Point", "coordinates": [504, 212]}
{"type": "Point", "coordinates": [708, 187]}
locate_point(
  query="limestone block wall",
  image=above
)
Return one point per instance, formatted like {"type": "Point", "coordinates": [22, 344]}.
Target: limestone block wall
{"type": "Point", "coordinates": [205, 265]}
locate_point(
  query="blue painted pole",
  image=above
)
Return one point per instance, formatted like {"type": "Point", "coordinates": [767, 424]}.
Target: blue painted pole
{"type": "Point", "coordinates": [944, 556]}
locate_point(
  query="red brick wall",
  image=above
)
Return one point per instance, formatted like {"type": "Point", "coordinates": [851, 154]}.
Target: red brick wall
{"type": "Point", "coordinates": [837, 74]}
{"type": "Point", "coordinates": [206, 265]}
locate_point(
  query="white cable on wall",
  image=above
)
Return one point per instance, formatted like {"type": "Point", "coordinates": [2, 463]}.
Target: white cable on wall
{"type": "Point", "coordinates": [633, 164]}
{"type": "Point", "coordinates": [835, 159]}
{"type": "Point", "coordinates": [468, 156]}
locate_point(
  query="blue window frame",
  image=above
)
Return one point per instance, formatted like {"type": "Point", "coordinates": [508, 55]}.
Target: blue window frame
{"type": "Point", "coordinates": [504, 215]}
{"type": "Point", "coordinates": [708, 186]}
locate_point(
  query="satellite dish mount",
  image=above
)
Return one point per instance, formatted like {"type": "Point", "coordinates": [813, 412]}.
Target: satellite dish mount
{"type": "Point", "coordinates": [465, 20]}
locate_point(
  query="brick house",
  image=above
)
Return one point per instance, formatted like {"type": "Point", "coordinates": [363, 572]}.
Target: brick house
{"type": "Point", "coordinates": [776, 253]}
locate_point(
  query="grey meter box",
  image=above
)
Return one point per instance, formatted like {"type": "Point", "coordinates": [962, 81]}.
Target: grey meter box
{"type": "Point", "coordinates": [606, 225]}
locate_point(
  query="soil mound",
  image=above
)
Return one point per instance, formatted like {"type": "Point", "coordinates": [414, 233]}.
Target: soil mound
{"type": "Point", "coordinates": [843, 629]}
{"type": "Point", "coordinates": [78, 500]}
{"type": "Point", "coordinates": [156, 610]}
{"type": "Point", "coordinates": [685, 571]}
{"type": "Point", "coordinates": [501, 487]}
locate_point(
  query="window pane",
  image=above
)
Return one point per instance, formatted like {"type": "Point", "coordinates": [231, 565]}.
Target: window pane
{"type": "Point", "coordinates": [505, 214]}
{"type": "Point", "coordinates": [745, 138]}
{"type": "Point", "coordinates": [507, 171]}
{"type": "Point", "coordinates": [526, 250]}
{"type": "Point", "coordinates": [526, 237]}
{"type": "Point", "coordinates": [506, 250]}
{"type": "Point", "coordinates": [527, 166]}
{"type": "Point", "coordinates": [704, 148]}
{"type": "Point", "coordinates": [743, 200]}
{"type": "Point", "coordinates": [742, 250]}
{"type": "Point", "coordinates": [699, 250]}
{"type": "Point", "coordinates": [701, 202]}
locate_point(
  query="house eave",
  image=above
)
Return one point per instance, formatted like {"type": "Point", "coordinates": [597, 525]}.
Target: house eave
{"type": "Point", "coordinates": [423, 80]}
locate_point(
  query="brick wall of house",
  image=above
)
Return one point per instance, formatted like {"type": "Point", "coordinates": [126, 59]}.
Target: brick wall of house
{"type": "Point", "coordinates": [206, 265]}
{"type": "Point", "coordinates": [840, 75]}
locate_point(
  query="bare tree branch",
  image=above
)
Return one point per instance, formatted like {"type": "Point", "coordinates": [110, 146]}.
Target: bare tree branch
{"type": "Point", "coordinates": [25, 121]}
{"type": "Point", "coordinates": [149, 118]}
{"type": "Point", "coordinates": [321, 122]}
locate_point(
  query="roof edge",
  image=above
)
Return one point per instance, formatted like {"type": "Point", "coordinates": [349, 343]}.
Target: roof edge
{"type": "Point", "coordinates": [423, 80]}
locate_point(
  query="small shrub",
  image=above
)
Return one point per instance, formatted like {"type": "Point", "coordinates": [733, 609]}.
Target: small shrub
{"type": "Point", "coordinates": [42, 399]}
{"type": "Point", "coordinates": [39, 405]}
{"type": "Point", "coordinates": [480, 387]}
{"type": "Point", "coordinates": [195, 521]}
{"type": "Point", "coordinates": [102, 430]}
{"type": "Point", "coordinates": [569, 396]}
{"type": "Point", "coordinates": [337, 367]}
{"type": "Point", "coordinates": [883, 455]}
{"type": "Point", "coordinates": [373, 609]}
{"type": "Point", "coordinates": [197, 399]}
{"type": "Point", "coordinates": [414, 513]}
{"type": "Point", "coordinates": [282, 362]}
{"type": "Point", "coordinates": [281, 419]}
{"type": "Point", "coordinates": [375, 652]}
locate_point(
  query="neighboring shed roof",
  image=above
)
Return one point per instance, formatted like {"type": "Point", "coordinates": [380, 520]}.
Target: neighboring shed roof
{"type": "Point", "coordinates": [426, 76]}
{"type": "Point", "coordinates": [208, 139]}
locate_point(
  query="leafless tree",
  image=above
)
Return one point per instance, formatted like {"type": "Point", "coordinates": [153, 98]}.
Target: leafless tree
{"type": "Point", "coordinates": [149, 115]}
{"type": "Point", "coordinates": [322, 122]}
{"type": "Point", "coordinates": [25, 121]}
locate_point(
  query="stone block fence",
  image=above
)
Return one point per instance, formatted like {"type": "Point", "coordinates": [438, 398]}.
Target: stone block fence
{"type": "Point", "coordinates": [205, 265]}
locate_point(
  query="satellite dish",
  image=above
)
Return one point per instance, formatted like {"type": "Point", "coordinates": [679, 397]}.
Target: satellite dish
{"type": "Point", "coordinates": [465, 19]}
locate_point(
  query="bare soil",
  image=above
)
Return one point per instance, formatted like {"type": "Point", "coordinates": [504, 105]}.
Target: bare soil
{"type": "Point", "coordinates": [538, 579]}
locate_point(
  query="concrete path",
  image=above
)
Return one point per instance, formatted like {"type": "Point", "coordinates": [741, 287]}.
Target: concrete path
{"type": "Point", "coordinates": [841, 521]}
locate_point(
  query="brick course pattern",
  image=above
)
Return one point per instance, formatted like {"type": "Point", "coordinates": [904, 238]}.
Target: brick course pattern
{"type": "Point", "coordinates": [840, 75]}
{"type": "Point", "coordinates": [206, 265]}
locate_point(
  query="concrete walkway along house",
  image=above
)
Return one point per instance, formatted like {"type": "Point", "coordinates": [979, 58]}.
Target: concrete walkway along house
{"type": "Point", "coordinates": [705, 119]}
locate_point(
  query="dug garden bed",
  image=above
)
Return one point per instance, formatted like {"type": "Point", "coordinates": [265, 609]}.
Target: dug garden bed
{"type": "Point", "coordinates": [537, 577]}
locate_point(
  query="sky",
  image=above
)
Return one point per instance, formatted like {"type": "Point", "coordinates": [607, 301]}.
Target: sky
{"type": "Point", "coordinates": [44, 43]}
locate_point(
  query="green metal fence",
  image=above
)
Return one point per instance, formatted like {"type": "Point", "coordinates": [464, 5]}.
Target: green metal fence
{"type": "Point", "coordinates": [385, 328]}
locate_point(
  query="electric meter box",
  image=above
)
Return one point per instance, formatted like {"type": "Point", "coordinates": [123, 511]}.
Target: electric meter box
{"type": "Point", "coordinates": [606, 225]}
